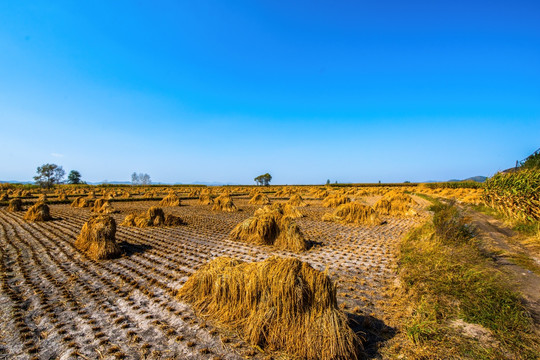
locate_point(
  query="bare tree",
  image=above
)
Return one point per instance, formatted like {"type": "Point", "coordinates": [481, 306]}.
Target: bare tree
{"type": "Point", "coordinates": [140, 179]}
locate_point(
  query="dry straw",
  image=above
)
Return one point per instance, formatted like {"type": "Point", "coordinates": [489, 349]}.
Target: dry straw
{"type": "Point", "coordinates": [269, 226]}
{"type": "Point", "coordinates": [224, 203]}
{"type": "Point", "coordinates": [259, 199]}
{"type": "Point", "coordinates": [97, 238]}
{"type": "Point", "coordinates": [15, 205]}
{"type": "Point", "coordinates": [353, 213]}
{"type": "Point", "coordinates": [81, 202]}
{"type": "Point", "coordinates": [296, 200]}
{"type": "Point", "coordinates": [103, 206]}
{"type": "Point", "coordinates": [276, 304]}
{"type": "Point", "coordinates": [206, 199]}
{"type": "Point", "coordinates": [334, 200]}
{"type": "Point", "coordinates": [170, 200]}
{"type": "Point", "coordinates": [395, 204]}
{"type": "Point", "coordinates": [153, 217]}
{"type": "Point", "coordinates": [38, 212]}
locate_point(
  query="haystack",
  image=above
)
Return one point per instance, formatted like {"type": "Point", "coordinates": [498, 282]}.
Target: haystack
{"type": "Point", "coordinates": [82, 202]}
{"type": "Point", "coordinates": [224, 203]}
{"type": "Point", "coordinates": [170, 200]}
{"type": "Point", "coordinates": [38, 212]}
{"type": "Point", "coordinates": [395, 204]}
{"type": "Point", "coordinates": [42, 198]}
{"type": "Point", "coordinates": [153, 217]}
{"type": "Point", "coordinates": [103, 206]}
{"type": "Point", "coordinates": [353, 213]}
{"type": "Point", "coordinates": [259, 199]}
{"type": "Point", "coordinates": [15, 205]}
{"type": "Point", "coordinates": [205, 199]}
{"type": "Point", "coordinates": [150, 194]}
{"type": "Point", "coordinates": [321, 193]}
{"type": "Point", "coordinates": [288, 210]}
{"type": "Point", "coordinates": [269, 226]}
{"type": "Point", "coordinates": [276, 304]}
{"type": "Point", "coordinates": [4, 197]}
{"type": "Point", "coordinates": [193, 193]}
{"type": "Point", "coordinates": [296, 200]}
{"type": "Point", "coordinates": [334, 200]}
{"type": "Point", "coordinates": [62, 197]}
{"type": "Point", "coordinates": [97, 238]}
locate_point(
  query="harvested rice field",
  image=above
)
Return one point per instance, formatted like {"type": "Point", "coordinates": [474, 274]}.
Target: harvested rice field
{"type": "Point", "coordinates": [58, 302]}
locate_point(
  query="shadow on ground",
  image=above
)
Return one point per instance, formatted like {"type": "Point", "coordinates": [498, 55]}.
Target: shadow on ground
{"type": "Point", "coordinates": [132, 249]}
{"type": "Point", "coordinates": [374, 333]}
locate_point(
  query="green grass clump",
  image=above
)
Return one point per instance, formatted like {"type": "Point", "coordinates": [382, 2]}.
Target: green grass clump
{"type": "Point", "coordinates": [447, 278]}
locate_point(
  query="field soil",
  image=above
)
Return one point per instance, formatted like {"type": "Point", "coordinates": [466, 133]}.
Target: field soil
{"type": "Point", "coordinates": [55, 302]}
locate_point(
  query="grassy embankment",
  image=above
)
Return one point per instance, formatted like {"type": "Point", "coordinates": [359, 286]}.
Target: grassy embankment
{"type": "Point", "coordinates": [452, 301]}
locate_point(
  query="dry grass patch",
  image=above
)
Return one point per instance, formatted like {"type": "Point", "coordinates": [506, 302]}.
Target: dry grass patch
{"type": "Point", "coordinates": [269, 226]}
{"type": "Point", "coordinates": [277, 304]}
{"type": "Point", "coordinates": [97, 238]}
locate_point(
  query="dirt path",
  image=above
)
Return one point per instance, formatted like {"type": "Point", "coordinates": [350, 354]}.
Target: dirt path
{"type": "Point", "coordinates": [497, 240]}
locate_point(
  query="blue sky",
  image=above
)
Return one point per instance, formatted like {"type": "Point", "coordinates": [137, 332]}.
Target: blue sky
{"type": "Point", "coordinates": [189, 91]}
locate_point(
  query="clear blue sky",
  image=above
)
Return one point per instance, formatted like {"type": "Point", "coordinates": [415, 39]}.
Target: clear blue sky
{"type": "Point", "coordinates": [352, 91]}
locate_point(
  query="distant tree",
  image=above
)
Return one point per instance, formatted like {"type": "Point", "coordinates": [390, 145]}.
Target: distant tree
{"type": "Point", "coordinates": [328, 182]}
{"type": "Point", "coordinates": [407, 182]}
{"type": "Point", "coordinates": [48, 175]}
{"type": "Point", "coordinates": [74, 177]}
{"type": "Point", "coordinates": [144, 179]}
{"type": "Point", "coordinates": [263, 179]}
{"type": "Point", "coordinates": [140, 179]}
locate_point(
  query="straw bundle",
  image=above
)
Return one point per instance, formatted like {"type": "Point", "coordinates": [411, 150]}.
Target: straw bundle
{"type": "Point", "coordinates": [296, 200]}
{"type": "Point", "coordinates": [103, 206]}
{"type": "Point", "coordinates": [153, 217]}
{"type": "Point", "coordinates": [269, 226]}
{"type": "Point", "coordinates": [334, 200]}
{"type": "Point", "coordinates": [97, 238]}
{"type": "Point", "coordinates": [38, 212]}
{"type": "Point", "coordinates": [353, 213]}
{"type": "Point", "coordinates": [224, 203]}
{"type": "Point", "coordinates": [15, 205]}
{"type": "Point", "coordinates": [276, 304]}
{"type": "Point", "coordinates": [81, 202]}
{"type": "Point", "coordinates": [395, 204]}
{"type": "Point", "coordinates": [170, 200]}
{"type": "Point", "coordinates": [259, 199]}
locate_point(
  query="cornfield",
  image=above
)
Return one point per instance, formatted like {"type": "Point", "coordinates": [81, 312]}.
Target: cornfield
{"type": "Point", "coordinates": [515, 194]}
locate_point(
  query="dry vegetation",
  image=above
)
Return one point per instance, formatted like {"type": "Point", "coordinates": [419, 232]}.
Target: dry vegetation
{"type": "Point", "coordinates": [98, 238]}
{"type": "Point", "coordinates": [270, 226]}
{"type": "Point", "coordinates": [313, 269]}
{"type": "Point", "coordinates": [276, 304]}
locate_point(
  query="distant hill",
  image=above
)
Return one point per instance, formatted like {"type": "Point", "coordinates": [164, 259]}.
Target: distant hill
{"type": "Point", "coordinates": [477, 178]}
